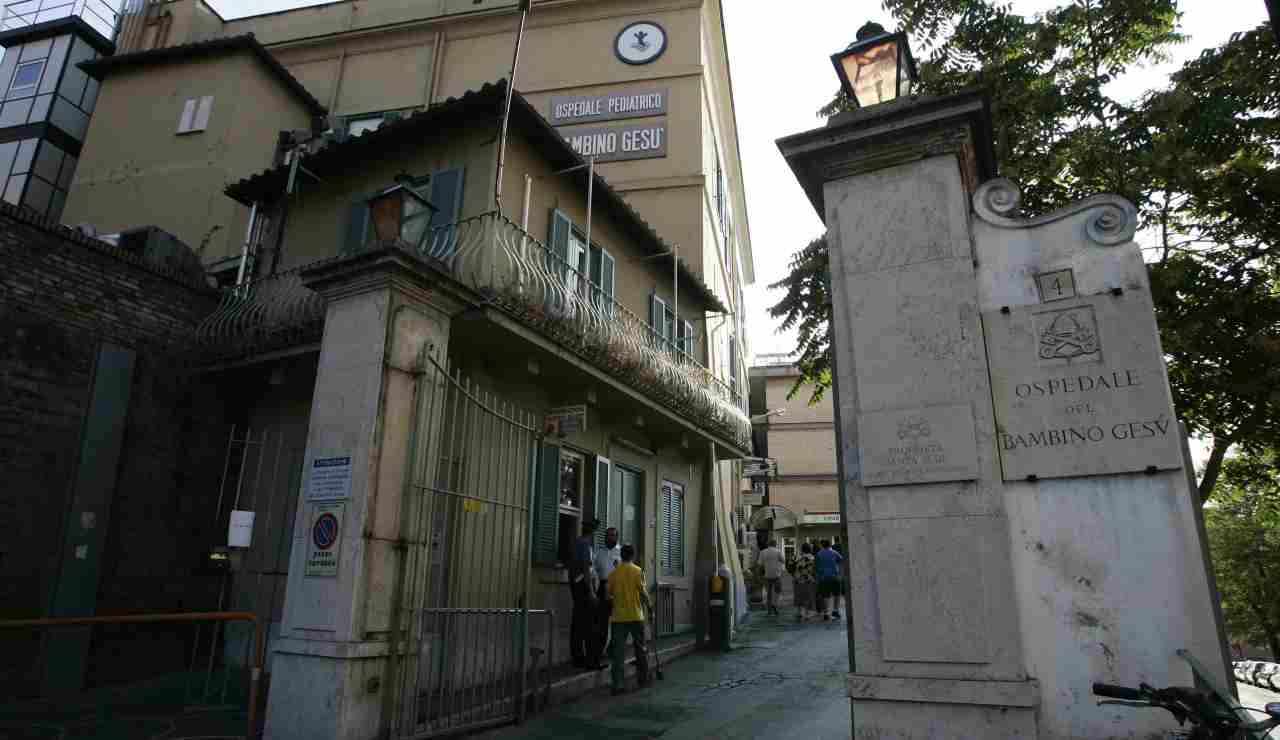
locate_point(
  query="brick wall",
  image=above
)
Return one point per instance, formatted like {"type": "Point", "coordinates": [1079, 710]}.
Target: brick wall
{"type": "Point", "coordinates": [61, 296]}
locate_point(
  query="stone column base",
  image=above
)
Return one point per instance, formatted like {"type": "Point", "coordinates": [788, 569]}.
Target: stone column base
{"type": "Point", "coordinates": [887, 708]}
{"type": "Point", "coordinates": [324, 690]}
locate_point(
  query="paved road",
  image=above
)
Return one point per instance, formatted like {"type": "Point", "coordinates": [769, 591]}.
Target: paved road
{"type": "Point", "coordinates": [783, 680]}
{"type": "Point", "coordinates": [1256, 698]}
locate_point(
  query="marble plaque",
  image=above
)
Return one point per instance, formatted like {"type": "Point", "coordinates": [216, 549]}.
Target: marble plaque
{"type": "Point", "coordinates": [1080, 388]}
{"type": "Point", "coordinates": [929, 444]}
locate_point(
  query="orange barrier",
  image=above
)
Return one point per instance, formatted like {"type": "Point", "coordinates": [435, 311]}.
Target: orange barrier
{"type": "Point", "coordinates": [255, 676]}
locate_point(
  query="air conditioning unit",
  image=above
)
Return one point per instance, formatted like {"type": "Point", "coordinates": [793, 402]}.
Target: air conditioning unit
{"type": "Point", "coordinates": [158, 247]}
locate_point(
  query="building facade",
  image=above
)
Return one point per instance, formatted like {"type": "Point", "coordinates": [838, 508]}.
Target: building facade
{"type": "Point", "coordinates": [799, 437]}
{"type": "Point", "coordinates": [642, 88]}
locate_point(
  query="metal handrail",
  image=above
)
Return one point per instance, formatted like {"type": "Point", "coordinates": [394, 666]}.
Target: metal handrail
{"type": "Point", "coordinates": [521, 275]}
{"type": "Point", "coordinates": [259, 652]}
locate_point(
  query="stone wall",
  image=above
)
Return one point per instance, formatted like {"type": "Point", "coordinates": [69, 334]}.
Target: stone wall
{"type": "Point", "coordinates": [61, 296]}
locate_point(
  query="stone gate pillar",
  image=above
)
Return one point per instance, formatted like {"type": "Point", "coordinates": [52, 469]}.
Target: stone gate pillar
{"type": "Point", "coordinates": [1019, 520]}
{"type": "Point", "coordinates": [329, 664]}
{"type": "Point", "coordinates": [934, 627]}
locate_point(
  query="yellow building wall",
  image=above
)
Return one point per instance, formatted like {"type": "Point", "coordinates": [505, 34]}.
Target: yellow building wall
{"type": "Point", "coordinates": [136, 171]}
{"type": "Point", "coordinates": [798, 409]}
{"type": "Point", "coordinates": [802, 496]}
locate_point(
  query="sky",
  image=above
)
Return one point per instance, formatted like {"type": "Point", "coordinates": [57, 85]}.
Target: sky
{"type": "Point", "coordinates": [782, 74]}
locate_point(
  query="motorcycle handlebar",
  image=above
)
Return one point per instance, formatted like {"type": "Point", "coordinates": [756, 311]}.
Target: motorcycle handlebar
{"type": "Point", "coordinates": [1118, 692]}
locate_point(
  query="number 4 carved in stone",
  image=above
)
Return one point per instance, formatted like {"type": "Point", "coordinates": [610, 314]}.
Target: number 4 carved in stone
{"type": "Point", "coordinates": [1056, 285]}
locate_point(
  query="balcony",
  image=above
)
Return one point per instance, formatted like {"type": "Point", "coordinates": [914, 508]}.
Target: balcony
{"type": "Point", "coordinates": [517, 274]}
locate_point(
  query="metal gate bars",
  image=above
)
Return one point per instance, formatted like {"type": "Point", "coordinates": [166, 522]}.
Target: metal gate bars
{"type": "Point", "coordinates": [461, 629]}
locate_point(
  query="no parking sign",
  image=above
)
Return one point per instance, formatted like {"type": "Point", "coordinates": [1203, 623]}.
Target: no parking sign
{"type": "Point", "coordinates": [324, 538]}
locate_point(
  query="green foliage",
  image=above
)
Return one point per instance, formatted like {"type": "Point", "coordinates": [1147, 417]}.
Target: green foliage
{"type": "Point", "coordinates": [1243, 525]}
{"type": "Point", "coordinates": [1198, 159]}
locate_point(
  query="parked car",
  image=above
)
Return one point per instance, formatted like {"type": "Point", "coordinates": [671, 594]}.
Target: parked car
{"type": "Point", "coordinates": [1243, 669]}
{"type": "Point", "coordinates": [1268, 676]}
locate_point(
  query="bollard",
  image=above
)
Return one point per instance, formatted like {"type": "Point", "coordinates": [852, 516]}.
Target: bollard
{"type": "Point", "coordinates": [721, 610]}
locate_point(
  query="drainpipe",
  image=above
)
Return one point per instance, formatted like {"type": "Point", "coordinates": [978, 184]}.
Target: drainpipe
{"type": "Point", "coordinates": [248, 244]}
{"type": "Point", "coordinates": [524, 208]}
{"type": "Point", "coordinates": [591, 182]}
{"type": "Point", "coordinates": [525, 6]}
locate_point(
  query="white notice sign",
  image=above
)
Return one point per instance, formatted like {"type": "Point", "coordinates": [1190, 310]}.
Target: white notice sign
{"type": "Point", "coordinates": [324, 539]}
{"type": "Point", "coordinates": [329, 479]}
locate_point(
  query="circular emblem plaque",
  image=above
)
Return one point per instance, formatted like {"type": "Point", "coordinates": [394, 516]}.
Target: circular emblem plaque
{"type": "Point", "coordinates": [640, 43]}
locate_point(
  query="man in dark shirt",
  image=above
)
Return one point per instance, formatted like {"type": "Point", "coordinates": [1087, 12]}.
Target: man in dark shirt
{"type": "Point", "coordinates": [583, 645]}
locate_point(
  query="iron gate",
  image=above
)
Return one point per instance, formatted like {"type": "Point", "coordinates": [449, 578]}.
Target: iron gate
{"type": "Point", "coordinates": [462, 626]}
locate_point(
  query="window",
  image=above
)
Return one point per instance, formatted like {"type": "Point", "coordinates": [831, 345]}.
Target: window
{"type": "Point", "coordinates": [662, 321]}
{"type": "Point", "coordinates": [685, 339]}
{"type": "Point", "coordinates": [366, 122]}
{"type": "Point", "coordinates": [671, 551]}
{"type": "Point", "coordinates": [587, 270]}
{"type": "Point", "coordinates": [195, 115]}
{"type": "Point", "coordinates": [733, 369]}
{"type": "Point", "coordinates": [26, 77]}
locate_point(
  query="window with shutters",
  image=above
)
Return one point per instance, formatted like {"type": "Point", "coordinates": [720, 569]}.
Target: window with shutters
{"type": "Point", "coordinates": [442, 188]}
{"type": "Point", "coordinates": [671, 550]}
{"type": "Point", "coordinates": [195, 115]}
{"type": "Point", "coordinates": [546, 515]}
{"type": "Point", "coordinates": [603, 508]}
{"type": "Point", "coordinates": [671, 333]}
{"type": "Point", "coordinates": [587, 270]}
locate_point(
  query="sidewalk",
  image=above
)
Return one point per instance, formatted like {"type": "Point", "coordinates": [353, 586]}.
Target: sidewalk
{"type": "Point", "coordinates": [783, 679]}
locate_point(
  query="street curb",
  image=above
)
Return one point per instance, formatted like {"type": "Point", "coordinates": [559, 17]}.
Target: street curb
{"type": "Point", "coordinates": [581, 684]}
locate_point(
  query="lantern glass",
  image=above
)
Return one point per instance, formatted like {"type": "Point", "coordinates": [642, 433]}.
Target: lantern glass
{"type": "Point", "coordinates": [873, 72]}
{"type": "Point", "coordinates": [400, 213]}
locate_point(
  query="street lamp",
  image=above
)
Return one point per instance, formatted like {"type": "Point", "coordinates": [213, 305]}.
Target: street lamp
{"type": "Point", "coordinates": [759, 418]}
{"type": "Point", "coordinates": [400, 213]}
{"type": "Point", "coordinates": [876, 68]}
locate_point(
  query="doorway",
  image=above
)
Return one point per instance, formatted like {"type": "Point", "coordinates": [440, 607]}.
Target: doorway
{"type": "Point", "coordinates": [628, 487]}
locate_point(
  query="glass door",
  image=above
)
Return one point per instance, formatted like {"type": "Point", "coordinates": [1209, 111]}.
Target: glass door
{"type": "Point", "coordinates": [628, 490]}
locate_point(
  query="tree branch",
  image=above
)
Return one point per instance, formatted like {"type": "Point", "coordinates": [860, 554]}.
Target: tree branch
{"type": "Point", "coordinates": [1214, 467]}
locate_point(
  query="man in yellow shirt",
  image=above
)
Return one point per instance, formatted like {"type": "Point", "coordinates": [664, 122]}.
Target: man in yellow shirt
{"type": "Point", "coordinates": [630, 600]}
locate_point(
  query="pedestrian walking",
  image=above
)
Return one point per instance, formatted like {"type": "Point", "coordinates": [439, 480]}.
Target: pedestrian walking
{"type": "Point", "coordinates": [604, 561]}
{"type": "Point", "coordinates": [806, 582]}
{"type": "Point", "coordinates": [774, 566]}
{"type": "Point", "coordinates": [582, 586]}
{"type": "Point", "coordinates": [827, 567]}
{"type": "Point", "coordinates": [630, 601]}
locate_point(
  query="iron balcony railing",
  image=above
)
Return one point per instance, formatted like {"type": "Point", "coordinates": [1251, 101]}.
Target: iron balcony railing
{"type": "Point", "coordinates": [261, 315]}
{"type": "Point", "coordinates": [101, 16]}
{"type": "Point", "coordinates": [517, 273]}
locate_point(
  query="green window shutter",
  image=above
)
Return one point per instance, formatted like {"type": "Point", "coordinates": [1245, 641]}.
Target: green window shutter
{"type": "Point", "coordinates": [446, 195]}
{"type": "Point", "coordinates": [664, 547]}
{"type": "Point", "coordinates": [558, 242]}
{"type": "Point", "coordinates": [604, 474]}
{"type": "Point", "coordinates": [357, 228]}
{"type": "Point", "coordinates": [677, 545]}
{"type": "Point", "coordinates": [546, 524]}
{"type": "Point", "coordinates": [606, 278]}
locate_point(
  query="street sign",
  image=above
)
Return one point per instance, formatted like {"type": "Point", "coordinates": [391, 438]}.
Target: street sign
{"type": "Point", "coordinates": [765, 467]}
{"type": "Point", "coordinates": [324, 538]}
